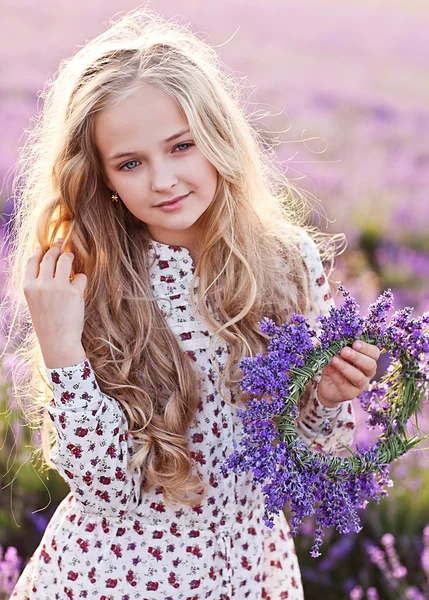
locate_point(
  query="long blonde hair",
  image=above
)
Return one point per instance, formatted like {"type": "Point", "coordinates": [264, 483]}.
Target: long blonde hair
{"type": "Point", "coordinates": [60, 191]}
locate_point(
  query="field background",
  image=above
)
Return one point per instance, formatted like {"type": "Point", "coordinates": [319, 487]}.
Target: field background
{"type": "Point", "coordinates": [345, 85]}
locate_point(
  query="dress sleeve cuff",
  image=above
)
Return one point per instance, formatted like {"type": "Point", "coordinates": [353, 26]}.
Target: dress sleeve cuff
{"type": "Point", "coordinates": [74, 386]}
{"type": "Point", "coordinates": [325, 411]}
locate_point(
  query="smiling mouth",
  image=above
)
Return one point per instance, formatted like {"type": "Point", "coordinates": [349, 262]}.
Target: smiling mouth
{"type": "Point", "coordinates": [170, 202]}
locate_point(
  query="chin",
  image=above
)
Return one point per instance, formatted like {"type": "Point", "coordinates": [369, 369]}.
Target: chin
{"type": "Point", "coordinates": [182, 225]}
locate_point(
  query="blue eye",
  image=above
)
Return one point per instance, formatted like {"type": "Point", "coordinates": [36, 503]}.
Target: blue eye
{"type": "Point", "coordinates": [127, 163]}
{"type": "Point", "coordinates": [185, 144]}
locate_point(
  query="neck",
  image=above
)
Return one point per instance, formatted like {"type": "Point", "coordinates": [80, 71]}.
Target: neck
{"type": "Point", "coordinates": [179, 239]}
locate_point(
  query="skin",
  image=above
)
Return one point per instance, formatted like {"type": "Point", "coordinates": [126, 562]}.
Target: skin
{"type": "Point", "coordinates": [348, 374]}
{"type": "Point", "coordinates": [158, 171]}
{"type": "Point", "coordinates": [49, 291]}
{"type": "Point", "coordinates": [154, 171]}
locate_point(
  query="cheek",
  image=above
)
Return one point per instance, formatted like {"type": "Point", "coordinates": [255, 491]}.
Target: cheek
{"type": "Point", "coordinates": [136, 203]}
{"type": "Point", "coordinates": [203, 166]}
{"type": "Point", "coordinates": [209, 174]}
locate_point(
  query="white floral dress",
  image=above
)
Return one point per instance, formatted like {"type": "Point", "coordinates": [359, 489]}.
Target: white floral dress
{"type": "Point", "coordinates": [109, 541]}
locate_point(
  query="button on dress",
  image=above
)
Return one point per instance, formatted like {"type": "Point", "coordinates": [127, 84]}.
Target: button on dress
{"type": "Point", "coordinates": [108, 540]}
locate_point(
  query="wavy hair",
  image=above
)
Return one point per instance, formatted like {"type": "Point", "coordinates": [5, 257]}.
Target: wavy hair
{"type": "Point", "coordinates": [249, 264]}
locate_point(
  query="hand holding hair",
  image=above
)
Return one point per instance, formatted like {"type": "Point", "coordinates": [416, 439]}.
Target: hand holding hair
{"type": "Point", "coordinates": [56, 305]}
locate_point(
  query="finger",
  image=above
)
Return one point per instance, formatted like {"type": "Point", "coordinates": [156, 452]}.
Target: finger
{"type": "Point", "coordinates": [80, 280]}
{"type": "Point", "coordinates": [353, 375]}
{"type": "Point", "coordinates": [64, 265]}
{"type": "Point", "coordinates": [367, 349]}
{"type": "Point", "coordinates": [347, 389]}
{"type": "Point", "coordinates": [31, 270]}
{"type": "Point", "coordinates": [49, 261]}
{"type": "Point", "coordinates": [366, 364]}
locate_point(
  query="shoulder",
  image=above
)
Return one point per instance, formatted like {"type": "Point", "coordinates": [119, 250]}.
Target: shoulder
{"type": "Point", "coordinates": [318, 282]}
{"type": "Point", "coordinates": [300, 247]}
{"type": "Point", "coordinates": [307, 248]}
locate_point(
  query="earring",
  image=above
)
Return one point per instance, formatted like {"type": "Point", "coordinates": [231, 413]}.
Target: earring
{"type": "Point", "coordinates": [114, 197]}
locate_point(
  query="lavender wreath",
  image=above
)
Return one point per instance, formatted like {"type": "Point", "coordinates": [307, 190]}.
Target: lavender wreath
{"type": "Point", "coordinates": [327, 485]}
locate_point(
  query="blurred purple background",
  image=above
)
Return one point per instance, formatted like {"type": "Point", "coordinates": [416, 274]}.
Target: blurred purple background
{"type": "Point", "coordinates": [346, 87]}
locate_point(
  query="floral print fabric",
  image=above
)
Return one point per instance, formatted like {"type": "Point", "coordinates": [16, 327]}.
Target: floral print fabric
{"type": "Point", "coordinates": [109, 541]}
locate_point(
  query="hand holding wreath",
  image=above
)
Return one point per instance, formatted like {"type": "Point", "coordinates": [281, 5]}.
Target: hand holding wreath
{"type": "Point", "coordinates": [327, 485]}
{"type": "Point", "coordinates": [348, 374]}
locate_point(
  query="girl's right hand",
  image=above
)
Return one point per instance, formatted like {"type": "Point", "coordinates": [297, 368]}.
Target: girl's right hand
{"type": "Point", "coordinates": [56, 305]}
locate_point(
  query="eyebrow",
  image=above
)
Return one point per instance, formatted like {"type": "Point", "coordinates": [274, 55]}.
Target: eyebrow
{"type": "Point", "coordinates": [170, 139]}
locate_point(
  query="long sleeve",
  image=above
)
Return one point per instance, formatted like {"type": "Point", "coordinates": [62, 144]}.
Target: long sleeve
{"type": "Point", "coordinates": [92, 447]}
{"type": "Point", "coordinates": [324, 428]}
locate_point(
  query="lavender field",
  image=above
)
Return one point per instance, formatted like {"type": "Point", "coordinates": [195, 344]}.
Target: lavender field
{"type": "Point", "coordinates": [345, 88]}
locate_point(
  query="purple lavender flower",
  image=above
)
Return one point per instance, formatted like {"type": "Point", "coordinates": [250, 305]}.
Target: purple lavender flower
{"type": "Point", "coordinates": [373, 402]}
{"type": "Point", "coordinates": [424, 559]}
{"type": "Point", "coordinates": [356, 593]}
{"type": "Point", "coordinates": [391, 568]}
{"type": "Point", "coordinates": [413, 593]}
{"type": "Point", "coordinates": [10, 565]}
{"type": "Point", "coordinates": [377, 557]}
{"type": "Point", "coordinates": [397, 569]}
{"type": "Point", "coordinates": [375, 321]}
{"type": "Point", "coordinates": [330, 487]}
{"type": "Point", "coordinates": [342, 322]}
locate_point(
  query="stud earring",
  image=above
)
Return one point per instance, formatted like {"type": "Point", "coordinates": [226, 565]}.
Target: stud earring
{"type": "Point", "coordinates": [114, 197]}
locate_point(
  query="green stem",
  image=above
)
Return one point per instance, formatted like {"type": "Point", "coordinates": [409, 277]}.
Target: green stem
{"type": "Point", "coordinates": [403, 395]}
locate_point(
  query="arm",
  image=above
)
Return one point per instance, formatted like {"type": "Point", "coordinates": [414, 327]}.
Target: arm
{"type": "Point", "coordinates": [92, 446]}
{"type": "Point", "coordinates": [325, 428]}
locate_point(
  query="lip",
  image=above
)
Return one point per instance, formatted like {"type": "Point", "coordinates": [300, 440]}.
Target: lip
{"type": "Point", "coordinates": [173, 201]}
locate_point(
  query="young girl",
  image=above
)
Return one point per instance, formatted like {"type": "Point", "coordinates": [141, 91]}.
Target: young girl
{"type": "Point", "coordinates": [176, 241]}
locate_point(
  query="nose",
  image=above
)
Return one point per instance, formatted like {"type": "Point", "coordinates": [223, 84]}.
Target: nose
{"type": "Point", "coordinates": [162, 176]}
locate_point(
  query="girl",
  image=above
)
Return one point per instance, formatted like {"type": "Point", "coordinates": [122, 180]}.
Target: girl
{"type": "Point", "coordinates": [175, 242]}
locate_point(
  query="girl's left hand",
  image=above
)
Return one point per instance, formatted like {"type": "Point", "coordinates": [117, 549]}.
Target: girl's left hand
{"type": "Point", "coordinates": [348, 374]}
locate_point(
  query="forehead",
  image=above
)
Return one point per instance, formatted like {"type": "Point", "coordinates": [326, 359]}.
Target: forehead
{"type": "Point", "coordinates": [146, 118]}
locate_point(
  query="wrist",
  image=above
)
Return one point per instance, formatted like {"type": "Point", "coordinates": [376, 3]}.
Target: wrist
{"type": "Point", "coordinates": [64, 358]}
{"type": "Point", "coordinates": [327, 403]}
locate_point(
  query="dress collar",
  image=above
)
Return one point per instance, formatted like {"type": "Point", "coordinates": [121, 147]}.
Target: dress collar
{"type": "Point", "coordinates": [168, 255]}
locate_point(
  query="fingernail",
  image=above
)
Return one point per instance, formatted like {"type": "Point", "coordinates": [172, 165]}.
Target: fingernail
{"type": "Point", "coordinates": [59, 240]}
{"type": "Point", "coordinates": [358, 345]}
